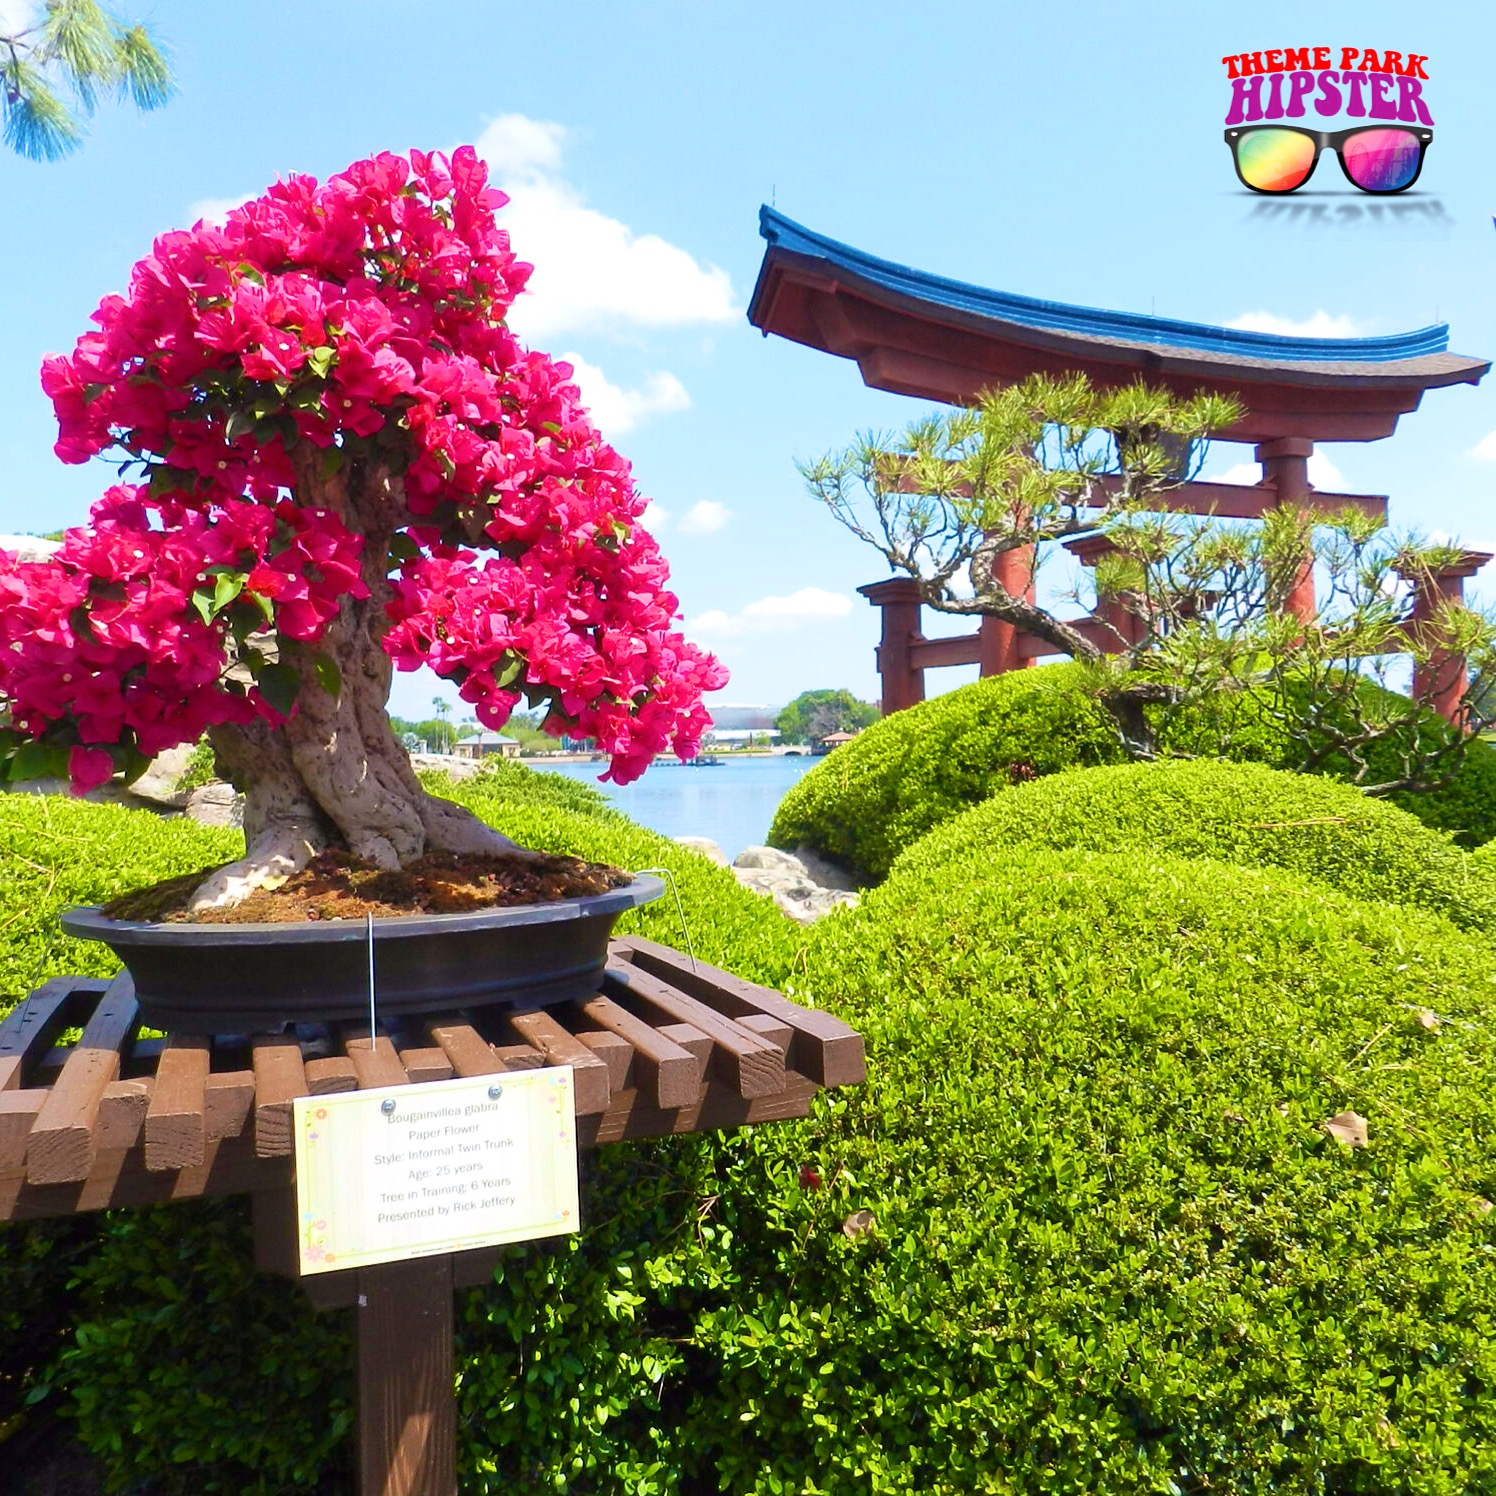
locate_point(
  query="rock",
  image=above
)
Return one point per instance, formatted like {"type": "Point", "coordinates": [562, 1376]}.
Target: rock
{"type": "Point", "coordinates": [703, 846]}
{"type": "Point", "coordinates": [769, 858]}
{"type": "Point", "coordinates": [825, 872]}
{"type": "Point", "coordinates": [216, 805]}
{"type": "Point", "coordinates": [159, 782]}
{"type": "Point", "coordinates": [784, 878]}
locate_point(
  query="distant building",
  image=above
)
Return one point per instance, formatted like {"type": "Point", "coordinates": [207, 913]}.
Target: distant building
{"type": "Point", "coordinates": [485, 744]}
{"type": "Point", "coordinates": [736, 716]}
{"type": "Point", "coordinates": [722, 737]}
{"type": "Point", "coordinates": [835, 740]}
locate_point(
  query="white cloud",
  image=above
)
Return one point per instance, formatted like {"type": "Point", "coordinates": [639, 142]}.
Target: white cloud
{"type": "Point", "coordinates": [215, 210]}
{"type": "Point", "coordinates": [655, 517]}
{"type": "Point", "coordinates": [1318, 325]}
{"type": "Point", "coordinates": [1485, 448]}
{"type": "Point", "coordinates": [519, 149]}
{"type": "Point", "coordinates": [772, 615]}
{"type": "Point", "coordinates": [1323, 474]}
{"type": "Point", "coordinates": [615, 409]}
{"type": "Point", "coordinates": [592, 272]}
{"type": "Point", "coordinates": [705, 518]}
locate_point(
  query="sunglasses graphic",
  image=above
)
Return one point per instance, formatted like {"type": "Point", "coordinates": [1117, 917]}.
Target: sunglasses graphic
{"type": "Point", "coordinates": [1375, 158]}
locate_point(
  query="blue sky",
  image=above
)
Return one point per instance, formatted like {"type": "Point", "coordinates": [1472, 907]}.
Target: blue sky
{"type": "Point", "coordinates": [1072, 152]}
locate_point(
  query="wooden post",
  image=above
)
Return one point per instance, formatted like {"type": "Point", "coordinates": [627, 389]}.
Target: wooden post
{"type": "Point", "coordinates": [1440, 680]}
{"type": "Point", "coordinates": [1285, 465]}
{"type": "Point", "coordinates": [902, 683]}
{"type": "Point", "coordinates": [999, 641]}
{"type": "Point", "coordinates": [407, 1404]}
{"type": "Point", "coordinates": [1123, 628]}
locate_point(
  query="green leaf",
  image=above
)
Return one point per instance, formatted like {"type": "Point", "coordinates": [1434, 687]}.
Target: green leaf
{"type": "Point", "coordinates": [320, 360]}
{"type": "Point", "coordinates": [131, 762]}
{"type": "Point", "coordinates": [403, 548]}
{"type": "Point", "coordinates": [279, 684]}
{"type": "Point", "coordinates": [37, 761]}
{"type": "Point", "coordinates": [203, 602]}
{"type": "Point", "coordinates": [511, 671]}
{"type": "Point", "coordinates": [332, 461]}
{"type": "Point", "coordinates": [225, 590]}
{"type": "Point", "coordinates": [329, 677]}
{"type": "Point", "coordinates": [240, 423]}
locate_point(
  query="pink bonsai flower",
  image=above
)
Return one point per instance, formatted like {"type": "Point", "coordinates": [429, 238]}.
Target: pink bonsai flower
{"type": "Point", "coordinates": [343, 462]}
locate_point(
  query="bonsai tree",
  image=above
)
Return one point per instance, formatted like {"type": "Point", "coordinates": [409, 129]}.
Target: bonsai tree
{"type": "Point", "coordinates": [1193, 609]}
{"type": "Point", "coordinates": [340, 461]}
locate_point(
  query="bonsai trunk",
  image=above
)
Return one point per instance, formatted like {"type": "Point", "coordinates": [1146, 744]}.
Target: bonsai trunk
{"type": "Point", "coordinates": [335, 775]}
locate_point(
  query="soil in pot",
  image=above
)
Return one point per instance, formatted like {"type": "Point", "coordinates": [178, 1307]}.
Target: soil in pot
{"type": "Point", "coordinates": [335, 886]}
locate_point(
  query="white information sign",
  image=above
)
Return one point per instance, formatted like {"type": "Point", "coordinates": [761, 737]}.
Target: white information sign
{"type": "Point", "coordinates": [413, 1171]}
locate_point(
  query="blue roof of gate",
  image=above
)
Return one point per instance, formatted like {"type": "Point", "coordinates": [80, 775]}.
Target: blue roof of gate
{"type": "Point", "coordinates": [1091, 322]}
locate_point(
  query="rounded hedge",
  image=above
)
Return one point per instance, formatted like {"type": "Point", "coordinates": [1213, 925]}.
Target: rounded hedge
{"type": "Point", "coordinates": [1233, 812]}
{"type": "Point", "coordinates": [876, 795]}
{"type": "Point", "coordinates": [1109, 1246]}
{"type": "Point", "coordinates": [178, 1366]}
{"type": "Point", "coordinates": [56, 852]}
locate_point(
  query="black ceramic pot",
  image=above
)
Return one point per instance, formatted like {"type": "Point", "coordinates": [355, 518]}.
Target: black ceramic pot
{"type": "Point", "coordinates": [216, 979]}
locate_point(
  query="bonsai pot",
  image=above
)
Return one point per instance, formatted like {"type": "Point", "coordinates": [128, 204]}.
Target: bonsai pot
{"type": "Point", "coordinates": [222, 978]}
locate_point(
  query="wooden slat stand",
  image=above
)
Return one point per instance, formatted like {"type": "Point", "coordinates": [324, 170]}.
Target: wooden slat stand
{"type": "Point", "coordinates": [669, 1045]}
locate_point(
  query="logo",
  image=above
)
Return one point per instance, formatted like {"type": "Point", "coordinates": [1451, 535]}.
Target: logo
{"type": "Point", "coordinates": [1285, 84]}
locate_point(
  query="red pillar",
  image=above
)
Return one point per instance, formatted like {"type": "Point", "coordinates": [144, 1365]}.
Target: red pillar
{"type": "Point", "coordinates": [899, 601]}
{"type": "Point", "coordinates": [998, 641]}
{"type": "Point", "coordinates": [1440, 679]}
{"type": "Point", "coordinates": [1125, 628]}
{"type": "Point", "coordinates": [1285, 464]}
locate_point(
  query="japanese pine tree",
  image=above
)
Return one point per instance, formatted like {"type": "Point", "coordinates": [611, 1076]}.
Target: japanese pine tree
{"type": "Point", "coordinates": [340, 462]}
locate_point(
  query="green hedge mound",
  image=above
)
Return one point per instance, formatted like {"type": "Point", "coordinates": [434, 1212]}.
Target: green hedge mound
{"type": "Point", "coordinates": [1081, 1231]}
{"type": "Point", "coordinates": [1108, 1245]}
{"type": "Point", "coordinates": [1237, 813]}
{"type": "Point", "coordinates": [885, 789]}
{"type": "Point", "coordinates": [875, 796]}
{"type": "Point", "coordinates": [1465, 806]}
{"type": "Point", "coordinates": [56, 852]}
{"type": "Point", "coordinates": [183, 1372]}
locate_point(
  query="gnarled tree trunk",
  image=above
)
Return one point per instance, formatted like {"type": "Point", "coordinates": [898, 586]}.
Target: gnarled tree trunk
{"type": "Point", "coordinates": [335, 775]}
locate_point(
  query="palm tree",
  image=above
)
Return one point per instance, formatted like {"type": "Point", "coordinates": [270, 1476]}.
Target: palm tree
{"type": "Point", "coordinates": [443, 710]}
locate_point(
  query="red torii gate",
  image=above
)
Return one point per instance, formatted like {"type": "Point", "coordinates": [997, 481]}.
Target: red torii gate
{"type": "Point", "coordinates": [938, 339]}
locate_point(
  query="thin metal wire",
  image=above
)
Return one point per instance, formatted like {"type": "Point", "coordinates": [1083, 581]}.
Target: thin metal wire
{"type": "Point", "coordinates": [370, 918]}
{"type": "Point", "coordinates": [679, 907]}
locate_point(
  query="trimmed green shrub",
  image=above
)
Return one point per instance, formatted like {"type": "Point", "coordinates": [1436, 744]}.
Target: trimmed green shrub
{"type": "Point", "coordinates": [1109, 1246]}
{"type": "Point", "coordinates": [874, 796]}
{"type": "Point", "coordinates": [503, 779]}
{"type": "Point", "coordinates": [183, 1369]}
{"type": "Point", "coordinates": [56, 852]}
{"type": "Point", "coordinates": [1465, 807]}
{"type": "Point", "coordinates": [1238, 813]}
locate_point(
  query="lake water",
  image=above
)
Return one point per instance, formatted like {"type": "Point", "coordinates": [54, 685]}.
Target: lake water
{"type": "Point", "coordinates": [732, 803]}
